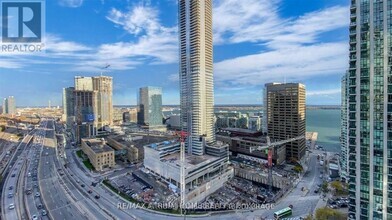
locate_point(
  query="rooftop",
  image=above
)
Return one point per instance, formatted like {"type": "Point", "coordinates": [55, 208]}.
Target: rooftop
{"type": "Point", "coordinates": [139, 140]}
{"type": "Point", "coordinates": [191, 161]}
{"type": "Point", "coordinates": [97, 145]}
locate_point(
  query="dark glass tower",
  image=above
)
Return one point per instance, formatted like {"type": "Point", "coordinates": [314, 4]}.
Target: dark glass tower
{"type": "Point", "coordinates": [370, 110]}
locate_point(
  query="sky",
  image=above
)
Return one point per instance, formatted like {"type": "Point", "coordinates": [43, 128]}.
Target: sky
{"type": "Point", "coordinates": [255, 42]}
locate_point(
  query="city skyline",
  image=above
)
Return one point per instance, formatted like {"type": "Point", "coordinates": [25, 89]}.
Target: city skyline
{"type": "Point", "coordinates": [143, 51]}
{"type": "Point", "coordinates": [237, 105]}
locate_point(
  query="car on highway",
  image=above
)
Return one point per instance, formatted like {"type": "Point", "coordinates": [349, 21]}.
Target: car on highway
{"type": "Point", "coordinates": [97, 196]}
{"type": "Point", "coordinates": [11, 206]}
{"type": "Point", "coordinates": [37, 194]}
{"type": "Point", "coordinates": [10, 188]}
{"type": "Point", "coordinates": [90, 191]}
{"type": "Point", "coordinates": [34, 217]}
{"type": "Point", "coordinates": [13, 175]}
{"type": "Point", "coordinates": [82, 185]}
{"type": "Point", "coordinates": [10, 195]}
{"type": "Point", "coordinates": [44, 213]}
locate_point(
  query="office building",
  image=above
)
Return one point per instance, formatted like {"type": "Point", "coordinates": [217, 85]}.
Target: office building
{"type": "Point", "coordinates": [242, 122]}
{"type": "Point", "coordinates": [5, 106]}
{"type": "Point", "coordinates": [370, 110]}
{"type": "Point", "coordinates": [254, 123]}
{"type": "Point", "coordinates": [150, 108]}
{"type": "Point", "coordinates": [101, 155]}
{"type": "Point", "coordinates": [174, 121]}
{"type": "Point", "coordinates": [132, 144]}
{"type": "Point", "coordinates": [196, 73]}
{"type": "Point", "coordinates": [343, 131]}
{"type": "Point", "coordinates": [103, 85]}
{"type": "Point", "coordinates": [69, 105]}
{"type": "Point", "coordinates": [126, 117]}
{"type": "Point", "coordinates": [9, 106]}
{"type": "Point", "coordinates": [85, 110]}
{"type": "Point", "coordinates": [285, 116]}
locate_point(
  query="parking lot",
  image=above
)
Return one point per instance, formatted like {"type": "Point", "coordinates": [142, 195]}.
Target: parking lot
{"type": "Point", "coordinates": [144, 189]}
{"type": "Point", "coordinates": [339, 202]}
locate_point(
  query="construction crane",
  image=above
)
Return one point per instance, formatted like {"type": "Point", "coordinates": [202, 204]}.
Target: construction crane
{"type": "Point", "coordinates": [182, 135]}
{"type": "Point", "coordinates": [270, 146]}
{"type": "Point", "coordinates": [105, 67]}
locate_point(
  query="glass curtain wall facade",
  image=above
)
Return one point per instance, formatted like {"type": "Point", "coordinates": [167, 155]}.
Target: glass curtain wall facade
{"type": "Point", "coordinates": [150, 106]}
{"type": "Point", "coordinates": [370, 110]}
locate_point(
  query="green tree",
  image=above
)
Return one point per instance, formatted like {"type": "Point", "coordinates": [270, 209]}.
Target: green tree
{"type": "Point", "coordinates": [298, 168]}
{"type": "Point", "coordinates": [324, 187]}
{"type": "Point", "coordinates": [329, 214]}
{"type": "Point", "coordinates": [337, 186]}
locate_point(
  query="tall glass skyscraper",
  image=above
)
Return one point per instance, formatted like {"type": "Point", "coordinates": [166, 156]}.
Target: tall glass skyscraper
{"type": "Point", "coordinates": [196, 73]}
{"type": "Point", "coordinates": [370, 110]}
{"type": "Point", "coordinates": [69, 104]}
{"type": "Point", "coordinates": [5, 106]}
{"type": "Point", "coordinates": [150, 107]}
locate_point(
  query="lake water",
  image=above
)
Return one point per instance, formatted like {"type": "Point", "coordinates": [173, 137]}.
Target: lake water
{"type": "Point", "coordinates": [327, 124]}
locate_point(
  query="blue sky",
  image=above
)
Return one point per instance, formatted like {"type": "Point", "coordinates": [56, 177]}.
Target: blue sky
{"type": "Point", "coordinates": [255, 42]}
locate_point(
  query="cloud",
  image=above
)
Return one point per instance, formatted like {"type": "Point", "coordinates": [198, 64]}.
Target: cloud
{"type": "Point", "coordinates": [155, 41]}
{"type": "Point", "coordinates": [259, 21]}
{"type": "Point", "coordinates": [71, 3]}
{"type": "Point", "coordinates": [292, 63]}
{"type": "Point", "coordinates": [234, 19]}
{"type": "Point", "coordinates": [174, 77]}
{"type": "Point", "coordinates": [324, 92]}
{"type": "Point", "coordinates": [55, 44]}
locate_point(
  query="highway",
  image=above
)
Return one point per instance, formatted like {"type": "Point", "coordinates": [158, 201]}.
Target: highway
{"type": "Point", "coordinates": [34, 203]}
{"type": "Point", "coordinates": [10, 207]}
{"type": "Point", "coordinates": [102, 208]}
{"type": "Point", "coordinates": [53, 194]}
